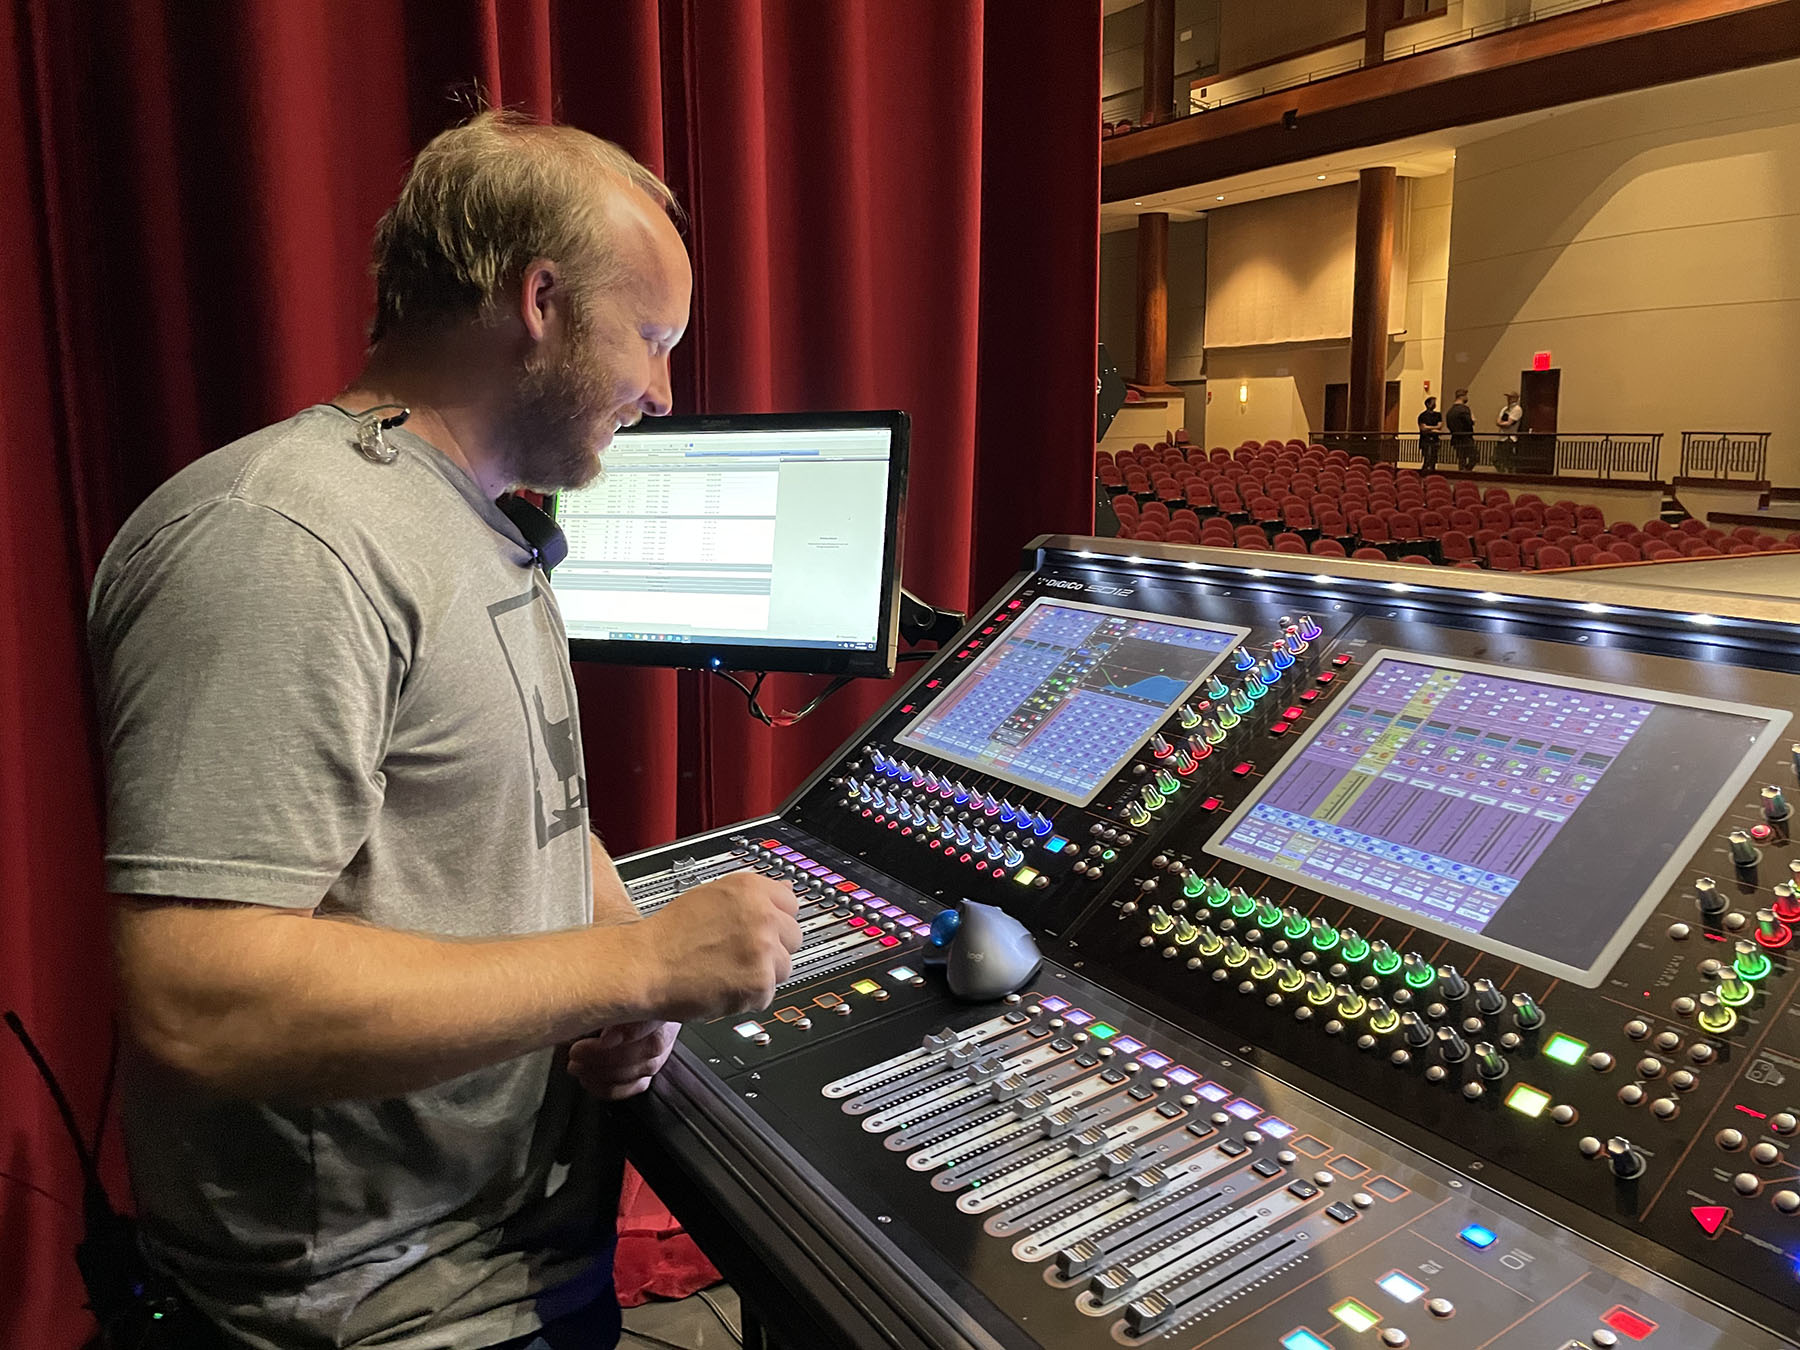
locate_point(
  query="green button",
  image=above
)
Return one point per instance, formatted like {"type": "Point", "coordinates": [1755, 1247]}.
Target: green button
{"type": "Point", "coordinates": [1565, 1049]}
{"type": "Point", "coordinates": [1354, 1315]}
{"type": "Point", "coordinates": [1527, 1100]}
{"type": "Point", "coordinates": [1100, 1031]}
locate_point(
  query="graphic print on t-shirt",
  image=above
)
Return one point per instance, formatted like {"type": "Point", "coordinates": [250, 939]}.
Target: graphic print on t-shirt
{"type": "Point", "coordinates": [559, 790]}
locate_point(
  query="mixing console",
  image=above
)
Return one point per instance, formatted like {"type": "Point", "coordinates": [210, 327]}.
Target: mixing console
{"type": "Point", "coordinates": [1419, 969]}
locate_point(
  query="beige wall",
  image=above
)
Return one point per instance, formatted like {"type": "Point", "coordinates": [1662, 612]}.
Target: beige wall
{"type": "Point", "coordinates": [1652, 244]}
{"type": "Point", "coordinates": [1254, 31]}
{"type": "Point", "coordinates": [1286, 386]}
{"type": "Point", "coordinates": [1283, 269]}
{"type": "Point", "coordinates": [1418, 355]}
{"type": "Point", "coordinates": [1118, 298]}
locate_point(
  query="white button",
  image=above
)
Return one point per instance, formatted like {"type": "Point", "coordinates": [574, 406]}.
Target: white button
{"type": "Point", "coordinates": [1440, 1307]}
{"type": "Point", "coordinates": [1393, 1336]}
{"type": "Point", "coordinates": [1603, 1338]}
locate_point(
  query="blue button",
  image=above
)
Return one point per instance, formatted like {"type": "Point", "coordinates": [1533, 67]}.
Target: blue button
{"type": "Point", "coordinates": [1302, 1339]}
{"type": "Point", "coordinates": [1477, 1236]}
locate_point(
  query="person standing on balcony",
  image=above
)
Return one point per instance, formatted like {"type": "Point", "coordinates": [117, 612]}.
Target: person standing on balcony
{"type": "Point", "coordinates": [1511, 422]}
{"type": "Point", "coordinates": [1431, 423]}
{"type": "Point", "coordinates": [1460, 419]}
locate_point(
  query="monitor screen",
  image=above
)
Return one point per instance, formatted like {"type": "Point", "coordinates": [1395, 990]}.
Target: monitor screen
{"type": "Point", "coordinates": [757, 542]}
{"type": "Point", "coordinates": [1068, 694]}
{"type": "Point", "coordinates": [1536, 816]}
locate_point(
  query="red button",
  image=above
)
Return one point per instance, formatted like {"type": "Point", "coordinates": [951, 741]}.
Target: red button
{"type": "Point", "coordinates": [1209, 804]}
{"type": "Point", "coordinates": [1278, 729]}
{"type": "Point", "coordinates": [1242, 769]}
{"type": "Point", "coordinates": [1327, 678]}
{"type": "Point", "coordinates": [1340, 661]}
{"type": "Point", "coordinates": [1014, 604]}
{"type": "Point", "coordinates": [1627, 1323]}
{"type": "Point", "coordinates": [1309, 696]}
{"type": "Point", "coordinates": [932, 684]}
{"type": "Point", "coordinates": [988, 630]}
{"type": "Point", "coordinates": [856, 923]}
{"type": "Point", "coordinates": [771, 843]}
{"type": "Point", "coordinates": [847, 886]}
{"type": "Point", "coordinates": [1711, 1218]}
{"type": "Point", "coordinates": [935, 843]}
{"type": "Point", "coordinates": [1294, 713]}
{"type": "Point", "coordinates": [890, 942]}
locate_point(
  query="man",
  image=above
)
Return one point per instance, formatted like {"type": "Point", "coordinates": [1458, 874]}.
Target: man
{"type": "Point", "coordinates": [1460, 421]}
{"type": "Point", "coordinates": [1510, 421]}
{"type": "Point", "coordinates": [1431, 422]}
{"type": "Point", "coordinates": [361, 909]}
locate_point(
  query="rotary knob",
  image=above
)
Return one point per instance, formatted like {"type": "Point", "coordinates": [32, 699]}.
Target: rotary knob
{"type": "Point", "coordinates": [1743, 851]}
{"type": "Point", "coordinates": [1417, 970]}
{"type": "Point", "coordinates": [1526, 1011]}
{"type": "Point", "coordinates": [1383, 958]}
{"type": "Point", "coordinates": [1416, 1029]}
{"type": "Point", "coordinates": [1787, 903]}
{"type": "Point", "coordinates": [1707, 895]}
{"type": "Point", "coordinates": [1626, 1162]}
{"type": "Point", "coordinates": [1451, 982]}
{"type": "Point", "coordinates": [1382, 1018]}
{"type": "Point", "coordinates": [1451, 1045]}
{"type": "Point", "coordinates": [1351, 1004]}
{"type": "Point", "coordinates": [1774, 804]}
{"type": "Point", "coordinates": [1489, 998]}
{"type": "Point", "coordinates": [1489, 1061]}
{"type": "Point", "coordinates": [1771, 931]}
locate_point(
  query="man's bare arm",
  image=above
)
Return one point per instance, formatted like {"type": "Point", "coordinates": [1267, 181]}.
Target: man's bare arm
{"type": "Point", "coordinates": [272, 1004]}
{"type": "Point", "coordinates": [612, 904]}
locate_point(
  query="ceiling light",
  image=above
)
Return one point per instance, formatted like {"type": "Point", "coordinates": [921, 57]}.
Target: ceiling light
{"type": "Point", "coordinates": [1221, 196]}
{"type": "Point", "coordinates": [1321, 178]}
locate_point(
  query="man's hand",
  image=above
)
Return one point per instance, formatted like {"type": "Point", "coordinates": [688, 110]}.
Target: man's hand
{"type": "Point", "coordinates": [619, 1061]}
{"type": "Point", "coordinates": [723, 947]}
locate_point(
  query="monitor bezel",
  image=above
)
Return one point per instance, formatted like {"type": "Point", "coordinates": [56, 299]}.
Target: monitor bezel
{"type": "Point", "coordinates": [881, 661]}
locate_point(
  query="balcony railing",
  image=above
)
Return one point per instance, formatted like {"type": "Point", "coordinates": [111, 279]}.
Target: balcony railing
{"type": "Point", "coordinates": [1127, 120]}
{"type": "Point", "coordinates": [1724, 454]}
{"type": "Point", "coordinates": [1572, 454]}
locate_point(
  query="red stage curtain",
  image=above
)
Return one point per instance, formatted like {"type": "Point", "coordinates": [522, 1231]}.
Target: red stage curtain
{"type": "Point", "coordinates": [894, 205]}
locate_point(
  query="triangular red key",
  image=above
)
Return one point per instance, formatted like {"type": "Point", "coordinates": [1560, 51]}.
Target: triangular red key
{"type": "Point", "coordinates": [1711, 1218]}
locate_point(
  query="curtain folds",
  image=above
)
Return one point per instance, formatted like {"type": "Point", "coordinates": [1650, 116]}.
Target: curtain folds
{"type": "Point", "coordinates": [893, 205]}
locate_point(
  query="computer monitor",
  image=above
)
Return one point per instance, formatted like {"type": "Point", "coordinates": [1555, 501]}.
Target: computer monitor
{"type": "Point", "coordinates": [765, 541]}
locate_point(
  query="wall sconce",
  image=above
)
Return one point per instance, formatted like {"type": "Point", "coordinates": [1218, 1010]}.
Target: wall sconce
{"type": "Point", "coordinates": [1243, 394]}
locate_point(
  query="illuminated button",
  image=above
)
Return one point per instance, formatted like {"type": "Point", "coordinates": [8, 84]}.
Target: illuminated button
{"type": "Point", "coordinates": [1564, 1049]}
{"type": "Point", "coordinates": [1243, 769]}
{"type": "Point", "coordinates": [1527, 1100]}
{"type": "Point", "coordinates": [865, 987]}
{"type": "Point", "coordinates": [1025, 876]}
{"type": "Point", "coordinates": [1479, 1237]}
{"type": "Point", "coordinates": [890, 941]}
{"type": "Point", "coordinates": [1628, 1323]}
{"type": "Point", "coordinates": [1293, 713]}
{"type": "Point", "coordinates": [748, 1030]}
{"type": "Point", "coordinates": [1401, 1287]}
{"type": "Point", "coordinates": [1354, 1315]}
{"type": "Point", "coordinates": [1302, 1339]}
{"type": "Point", "coordinates": [903, 973]}
{"type": "Point", "coordinates": [1711, 1218]}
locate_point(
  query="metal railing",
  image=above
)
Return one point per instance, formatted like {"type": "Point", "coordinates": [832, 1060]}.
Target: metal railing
{"type": "Point", "coordinates": [1724, 454]}
{"type": "Point", "coordinates": [1585, 454]}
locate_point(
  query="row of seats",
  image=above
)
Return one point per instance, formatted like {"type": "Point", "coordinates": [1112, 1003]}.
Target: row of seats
{"type": "Point", "coordinates": [1311, 499]}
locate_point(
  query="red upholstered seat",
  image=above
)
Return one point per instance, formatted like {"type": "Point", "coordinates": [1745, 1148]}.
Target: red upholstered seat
{"type": "Point", "coordinates": [1551, 557]}
{"type": "Point", "coordinates": [1583, 554]}
{"type": "Point", "coordinates": [1503, 554]}
{"type": "Point", "coordinates": [1327, 548]}
{"type": "Point", "coordinates": [1373, 530]}
{"type": "Point", "coordinates": [1370, 555]}
{"type": "Point", "coordinates": [1692, 526]}
{"type": "Point", "coordinates": [1419, 558]}
{"type": "Point", "coordinates": [1456, 546]}
{"type": "Point", "coordinates": [1625, 552]}
{"type": "Point", "coordinates": [1469, 563]}
{"type": "Point", "coordinates": [1590, 529]}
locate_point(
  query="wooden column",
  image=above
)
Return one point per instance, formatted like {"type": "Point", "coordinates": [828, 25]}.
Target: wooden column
{"type": "Point", "coordinates": [1153, 302]}
{"type": "Point", "coordinates": [1159, 61]}
{"type": "Point", "coordinates": [1378, 17]}
{"type": "Point", "coordinates": [1376, 192]}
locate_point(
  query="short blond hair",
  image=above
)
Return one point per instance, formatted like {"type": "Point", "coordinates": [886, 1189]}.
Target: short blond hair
{"type": "Point", "coordinates": [481, 201]}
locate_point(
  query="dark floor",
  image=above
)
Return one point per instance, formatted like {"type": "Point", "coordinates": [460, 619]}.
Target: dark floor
{"type": "Point", "coordinates": [689, 1324]}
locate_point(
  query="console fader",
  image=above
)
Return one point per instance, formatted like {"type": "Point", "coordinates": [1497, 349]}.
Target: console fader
{"type": "Point", "coordinates": [1420, 971]}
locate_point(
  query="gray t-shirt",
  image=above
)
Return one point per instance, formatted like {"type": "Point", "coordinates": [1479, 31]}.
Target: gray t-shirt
{"type": "Point", "coordinates": [329, 682]}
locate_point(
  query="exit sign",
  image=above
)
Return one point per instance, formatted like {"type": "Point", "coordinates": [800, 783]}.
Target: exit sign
{"type": "Point", "coordinates": [1540, 361]}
